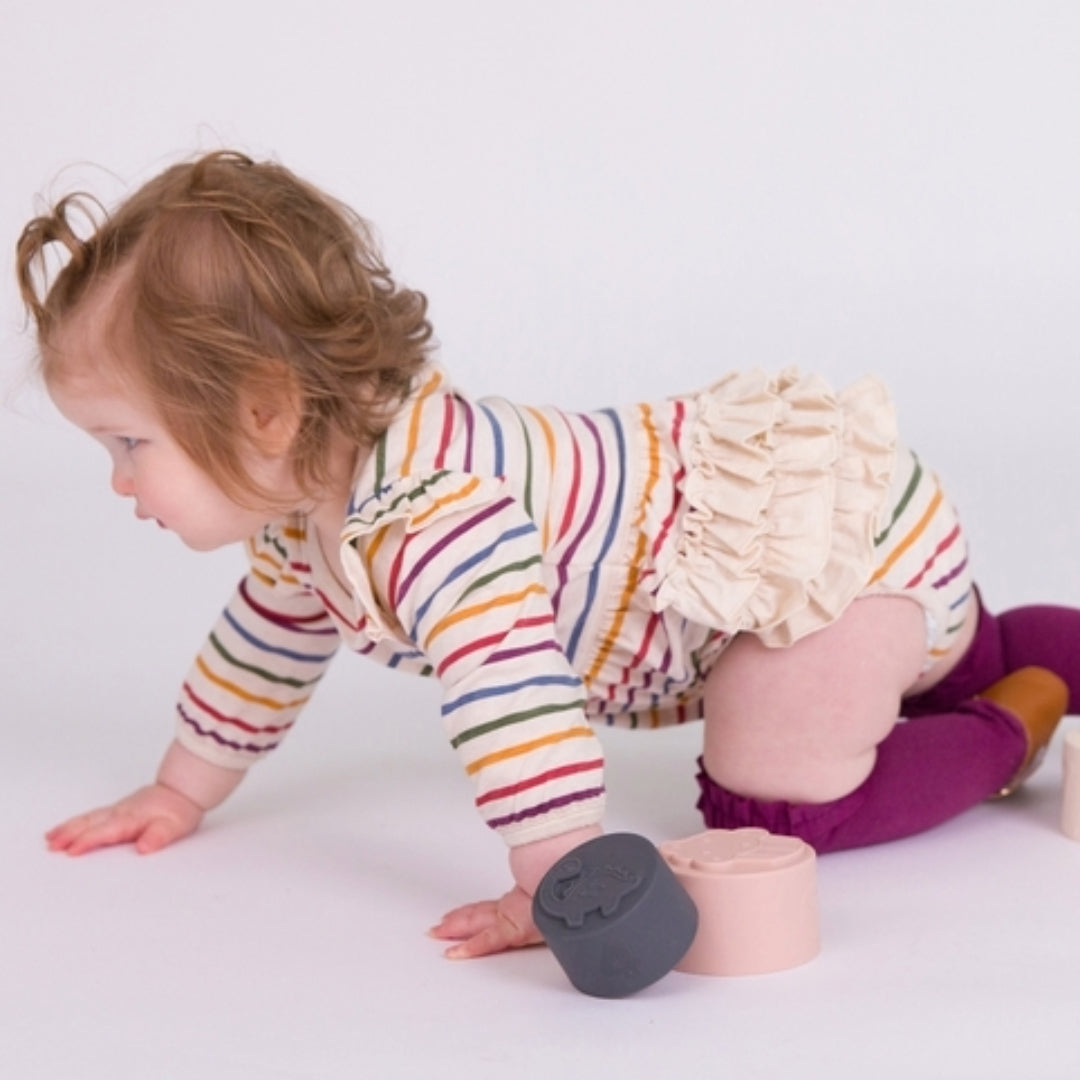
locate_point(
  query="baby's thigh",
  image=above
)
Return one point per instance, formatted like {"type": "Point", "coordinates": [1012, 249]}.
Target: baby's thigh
{"type": "Point", "coordinates": [802, 723]}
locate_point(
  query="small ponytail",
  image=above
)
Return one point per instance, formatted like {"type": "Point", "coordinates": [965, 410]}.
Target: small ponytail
{"type": "Point", "coordinates": [45, 300]}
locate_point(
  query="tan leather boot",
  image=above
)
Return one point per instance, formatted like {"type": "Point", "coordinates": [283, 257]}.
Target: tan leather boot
{"type": "Point", "coordinates": [1038, 699]}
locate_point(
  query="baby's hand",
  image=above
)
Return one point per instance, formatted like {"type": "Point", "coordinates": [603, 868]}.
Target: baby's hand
{"type": "Point", "coordinates": [493, 926]}
{"type": "Point", "coordinates": [151, 818]}
{"type": "Point", "coordinates": [490, 926]}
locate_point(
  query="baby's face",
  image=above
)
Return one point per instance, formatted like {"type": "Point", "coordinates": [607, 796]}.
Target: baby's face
{"type": "Point", "coordinates": [148, 465]}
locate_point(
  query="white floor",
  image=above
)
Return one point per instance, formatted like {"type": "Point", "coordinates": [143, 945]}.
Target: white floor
{"type": "Point", "coordinates": [287, 939]}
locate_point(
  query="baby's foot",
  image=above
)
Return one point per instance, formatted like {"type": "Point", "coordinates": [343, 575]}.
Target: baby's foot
{"type": "Point", "coordinates": [1038, 699]}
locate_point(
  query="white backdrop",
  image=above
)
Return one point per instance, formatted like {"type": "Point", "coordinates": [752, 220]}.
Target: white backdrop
{"type": "Point", "coordinates": [603, 201]}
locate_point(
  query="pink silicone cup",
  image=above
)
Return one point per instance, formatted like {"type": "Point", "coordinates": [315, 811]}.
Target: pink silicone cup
{"type": "Point", "coordinates": [756, 895]}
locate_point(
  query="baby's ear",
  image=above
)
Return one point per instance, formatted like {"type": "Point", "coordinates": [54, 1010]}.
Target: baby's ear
{"type": "Point", "coordinates": [270, 412]}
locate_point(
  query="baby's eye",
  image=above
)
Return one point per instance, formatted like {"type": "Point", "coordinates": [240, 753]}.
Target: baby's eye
{"type": "Point", "coordinates": [128, 442]}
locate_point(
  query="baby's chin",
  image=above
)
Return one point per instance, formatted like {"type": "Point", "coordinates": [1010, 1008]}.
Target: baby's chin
{"type": "Point", "coordinates": [206, 543]}
{"type": "Point", "coordinates": [194, 541]}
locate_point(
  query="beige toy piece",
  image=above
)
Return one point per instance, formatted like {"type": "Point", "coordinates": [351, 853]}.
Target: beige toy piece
{"type": "Point", "coordinates": [1070, 786]}
{"type": "Point", "coordinates": [756, 896]}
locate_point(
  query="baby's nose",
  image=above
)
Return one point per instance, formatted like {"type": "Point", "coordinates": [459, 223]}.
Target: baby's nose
{"type": "Point", "coordinates": [122, 483]}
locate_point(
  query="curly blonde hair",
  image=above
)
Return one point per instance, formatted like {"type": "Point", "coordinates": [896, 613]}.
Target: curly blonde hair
{"type": "Point", "coordinates": [239, 279]}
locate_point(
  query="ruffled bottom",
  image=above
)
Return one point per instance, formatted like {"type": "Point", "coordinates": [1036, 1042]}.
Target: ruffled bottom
{"type": "Point", "coordinates": [785, 481]}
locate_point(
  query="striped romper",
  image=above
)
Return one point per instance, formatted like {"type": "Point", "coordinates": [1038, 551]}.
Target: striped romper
{"type": "Point", "coordinates": [557, 569]}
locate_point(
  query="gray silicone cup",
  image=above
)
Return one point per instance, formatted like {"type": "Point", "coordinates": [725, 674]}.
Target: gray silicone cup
{"type": "Point", "coordinates": [614, 915]}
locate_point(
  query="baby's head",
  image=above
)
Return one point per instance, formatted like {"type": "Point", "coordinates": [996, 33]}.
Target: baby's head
{"type": "Point", "coordinates": [221, 285]}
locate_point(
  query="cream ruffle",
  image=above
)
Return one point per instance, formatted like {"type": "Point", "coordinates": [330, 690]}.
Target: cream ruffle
{"type": "Point", "coordinates": [786, 478]}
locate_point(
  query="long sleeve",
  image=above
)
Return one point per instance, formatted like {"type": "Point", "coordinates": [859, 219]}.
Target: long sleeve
{"type": "Point", "coordinates": [454, 565]}
{"type": "Point", "coordinates": [261, 661]}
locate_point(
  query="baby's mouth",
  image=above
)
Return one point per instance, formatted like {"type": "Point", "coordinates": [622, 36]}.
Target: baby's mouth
{"type": "Point", "coordinates": [147, 517]}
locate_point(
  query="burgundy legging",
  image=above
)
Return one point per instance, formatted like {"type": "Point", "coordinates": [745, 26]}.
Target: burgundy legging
{"type": "Point", "coordinates": [951, 754]}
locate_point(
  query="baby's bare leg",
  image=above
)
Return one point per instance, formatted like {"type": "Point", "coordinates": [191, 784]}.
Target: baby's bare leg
{"type": "Point", "coordinates": [804, 741]}
{"type": "Point", "coordinates": [802, 723]}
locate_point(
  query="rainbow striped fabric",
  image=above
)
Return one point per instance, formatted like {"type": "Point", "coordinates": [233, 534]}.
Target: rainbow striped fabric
{"type": "Point", "coordinates": [516, 554]}
{"type": "Point", "coordinates": [920, 551]}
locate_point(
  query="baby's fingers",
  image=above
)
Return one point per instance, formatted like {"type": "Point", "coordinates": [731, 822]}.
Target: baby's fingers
{"type": "Point", "coordinates": [64, 835]}
{"type": "Point", "coordinates": [489, 927]}
{"type": "Point", "coordinates": [466, 921]}
{"type": "Point", "coordinates": [151, 818]}
{"type": "Point", "coordinates": [495, 938]}
{"type": "Point", "coordinates": [99, 828]}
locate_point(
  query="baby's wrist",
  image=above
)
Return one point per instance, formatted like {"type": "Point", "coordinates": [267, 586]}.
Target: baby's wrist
{"type": "Point", "coordinates": [173, 793]}
{"type": "Point", "coordinates": [202, 783]}
{"type": "Point", "coordinates": [530, 862]}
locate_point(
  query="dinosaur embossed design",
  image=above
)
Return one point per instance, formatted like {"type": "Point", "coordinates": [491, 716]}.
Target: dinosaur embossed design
{"type": "Point", "coordinates": [572, 890]}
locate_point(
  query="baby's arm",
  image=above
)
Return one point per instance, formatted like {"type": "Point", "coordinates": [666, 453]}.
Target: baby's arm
{"type": "Point", "coordinates": [253, 675]}
{"type": "Point", "coordinates": [154, 816]}
{"type": "Point", "coordinates": [466, 583]}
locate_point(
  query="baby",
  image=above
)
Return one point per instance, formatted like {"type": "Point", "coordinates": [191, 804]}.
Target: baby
{"type": "Point", "coordinates": [765, 554]}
